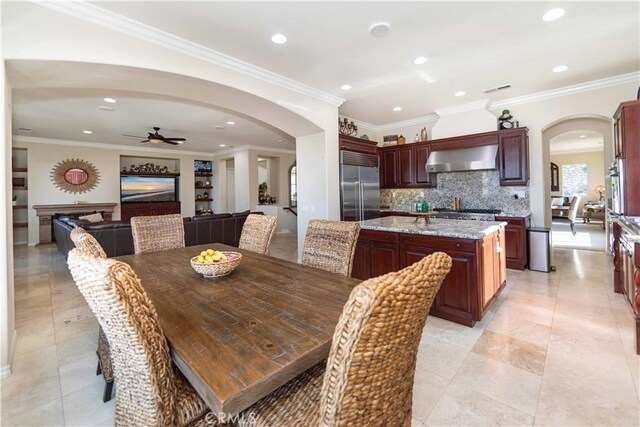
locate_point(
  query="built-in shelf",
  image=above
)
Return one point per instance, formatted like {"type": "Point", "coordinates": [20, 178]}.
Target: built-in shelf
{"type": "Point", "coordinates": [204, 200]}
{"type": "Point", "coordinates": [20, 225]}
{"type": "Point", "coordinates": [202, 175]}
{"type": "Point", "coordinates": [19, 170]}
{"type": "Point", "coordinates": [208, 187]}
{"type": "Point", "coordinates": [20, 188]}
{"type": "Point", "coordinates": [20, 206]}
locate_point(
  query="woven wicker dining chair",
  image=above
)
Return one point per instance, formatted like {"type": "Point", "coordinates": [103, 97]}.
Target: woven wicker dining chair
{"type": "Point", "coordinates": [86, 242]}
{"type": "Point", "coordinates": [368, 378]}
{"type": "Point", "coordinates": [151, 391]}
{"type": "Point", "coordinates": [157, 233]}
{"type": "Point", "coordinates": [257, 232]}
{"type": "Point", "coordinates": [330, 245]}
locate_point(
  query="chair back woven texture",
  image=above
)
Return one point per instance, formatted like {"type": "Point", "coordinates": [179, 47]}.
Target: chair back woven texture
{"type": "Point", "coordinates": [330, 245]}
{"type": "Point", "coordinates": [371, 366]}
{"type": "Point", "coordinates": [573, 208]}
{"type": "Point", "coordinates": [87, 242]}
{"type": "Point", "coordinates": [257, 232]}
{"type": "Point", "coordinates": [157, 233]}
{"type": "Point", "coordinates": [142, 364]}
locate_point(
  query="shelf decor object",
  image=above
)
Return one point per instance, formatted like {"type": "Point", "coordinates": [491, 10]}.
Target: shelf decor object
{"type": "Point", "coordinates": [347, 128]}
{"type": "Point", "coordinates": [75, 176]}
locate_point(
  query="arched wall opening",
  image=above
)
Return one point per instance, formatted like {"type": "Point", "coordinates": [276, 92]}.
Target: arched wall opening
{"type": "Point", "coordinates": [594, 123]}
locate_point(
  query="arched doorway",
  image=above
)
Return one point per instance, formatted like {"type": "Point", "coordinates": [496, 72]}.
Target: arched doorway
{"type": "Point", "coordinates": [577, 151]}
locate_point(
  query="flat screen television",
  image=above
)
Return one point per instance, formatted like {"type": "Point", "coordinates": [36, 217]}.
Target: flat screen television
{"type": "Point", "coordinates": [138, 189]}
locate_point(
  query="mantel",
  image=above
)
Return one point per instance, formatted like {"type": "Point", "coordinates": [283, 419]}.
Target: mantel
{"type": "Point", "coordinates": [45, 212]}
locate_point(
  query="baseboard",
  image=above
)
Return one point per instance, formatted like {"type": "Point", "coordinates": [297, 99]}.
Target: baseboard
{"type": "Point", "coordinates": [5, 371]}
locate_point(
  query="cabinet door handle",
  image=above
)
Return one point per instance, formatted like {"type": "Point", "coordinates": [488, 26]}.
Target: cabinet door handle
{"type": "Point", "coordinates": [457, 245]}
{"type": "Point", "coordinates": [386, 237]}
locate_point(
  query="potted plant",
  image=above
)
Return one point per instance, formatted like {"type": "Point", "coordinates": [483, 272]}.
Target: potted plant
{"type": "Point", "coordinates": [14, 201]}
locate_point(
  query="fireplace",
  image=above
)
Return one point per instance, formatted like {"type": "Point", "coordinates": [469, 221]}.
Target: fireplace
{"type": "Point", "coordinates": [46, 213]}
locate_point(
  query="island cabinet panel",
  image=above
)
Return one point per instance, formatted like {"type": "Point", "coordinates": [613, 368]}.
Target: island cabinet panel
{"type": "Point", "coordinates": [455, 300]}
{"type": "Point", "coordinates": [515, 242]}
{"type": "Point", "coordinates": [376, 253]}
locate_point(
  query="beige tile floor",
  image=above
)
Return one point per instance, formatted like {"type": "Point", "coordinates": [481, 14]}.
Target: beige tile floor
{"type": "Point", "coordinates": [556, 349]}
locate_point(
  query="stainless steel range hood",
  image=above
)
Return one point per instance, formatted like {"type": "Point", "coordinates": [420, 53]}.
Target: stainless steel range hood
{"type": "Point", "coordinates": [465, 159]}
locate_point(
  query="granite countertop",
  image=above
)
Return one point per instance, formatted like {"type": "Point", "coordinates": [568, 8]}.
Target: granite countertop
{"type": "Point", "coordinates": [462, 229]}
{"type": "Point", "coordinates": [632, 226]}
{"type": "Point", "coordinates": [503, 213]}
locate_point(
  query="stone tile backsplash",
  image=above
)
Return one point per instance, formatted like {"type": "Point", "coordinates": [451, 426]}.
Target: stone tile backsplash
{"type": "Point", "coordinates": [476, 189]}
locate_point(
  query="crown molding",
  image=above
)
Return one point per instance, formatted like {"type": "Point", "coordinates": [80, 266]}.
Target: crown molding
{"type": "Point", "coordinates": [568, 90]}
{"type": "Point", "coordinates": [103, 146]}
{"type": "Point", "coordinates": [577, 151]}
{"type": "Point", "coordinates": [476, 105]}
{"type": "Point", "coordinates": [105, 18]}
{"type": "Point", "coordinates": [539, 96]}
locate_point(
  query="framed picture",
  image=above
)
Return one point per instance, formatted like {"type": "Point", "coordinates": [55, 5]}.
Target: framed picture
{"type": "Point", "coordinates": [390, 138]}
{"type": "Point", "coordinates": [555, 177]}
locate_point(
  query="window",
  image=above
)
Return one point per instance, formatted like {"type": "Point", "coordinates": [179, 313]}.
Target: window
{"type": "Point", "coordinates": [293, 187]}
{"type": "Point", "coordinates": [575, 179]}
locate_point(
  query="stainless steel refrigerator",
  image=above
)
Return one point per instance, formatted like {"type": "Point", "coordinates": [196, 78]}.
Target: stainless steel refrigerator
{"type": "Point", "coordinates": [360, 186]}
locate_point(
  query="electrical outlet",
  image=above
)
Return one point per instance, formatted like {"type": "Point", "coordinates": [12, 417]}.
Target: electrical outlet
{"type": "Point", "coordinates": [422, 194]}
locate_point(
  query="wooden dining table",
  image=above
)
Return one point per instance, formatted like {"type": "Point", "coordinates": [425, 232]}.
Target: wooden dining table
{"type": "Point", "coordinates": [239, 337]}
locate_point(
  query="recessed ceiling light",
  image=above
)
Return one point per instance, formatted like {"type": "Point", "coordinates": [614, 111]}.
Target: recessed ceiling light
{"type": "Point", "coordinates": [231, 123]}
{"type": "Point", "coordinates": [88, 132]}
{"type": "Point", "coordinates": [222, 145]}
{"type": "Point", "coordinates": [110, 100]}
{"type": "Point", "coordinates": [380, 29]}
{"type": "Point", "coordinates": [420, 60]}
{"type": "Point", "coordinates": [559, 68]}
{"type": "Point", "coordinates": [219, 127]}
{"type": "Point", "coordinates": [345, 87]}
{"type": "Point", "coordinates": [460, 93]}
{"type": "Point", "coordinates": [105, 108]}
{"type": "Point", "coordinates": [553, 14]}
{"type": "Point", "coordinates": [397, 108]}
{"type": "Point", "coordinates": [279, 38]}
{"type": "Point", "coordinates": [583, 136]}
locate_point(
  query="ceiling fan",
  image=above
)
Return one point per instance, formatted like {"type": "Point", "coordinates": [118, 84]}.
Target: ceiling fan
{"type": "Point", "coordinates": [156, 138]}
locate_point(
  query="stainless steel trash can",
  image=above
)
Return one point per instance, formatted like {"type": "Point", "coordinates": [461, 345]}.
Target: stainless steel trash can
{"type": "Point", "coordinates": [540, 249]}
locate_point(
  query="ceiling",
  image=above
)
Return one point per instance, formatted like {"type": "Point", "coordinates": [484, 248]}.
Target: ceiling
{"type": "Point", "coordinates": [471, 46]}
{"type": "Point", "coordinates": [577, 141]}
{"type": "Point", "coordinates": [65, 113]}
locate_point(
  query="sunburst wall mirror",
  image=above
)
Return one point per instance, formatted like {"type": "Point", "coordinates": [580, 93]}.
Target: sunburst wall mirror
{"type": "Point", "coordinates": [75, 176]}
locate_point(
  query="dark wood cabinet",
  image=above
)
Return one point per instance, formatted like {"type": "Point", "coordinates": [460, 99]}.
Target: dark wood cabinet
{"type": "Point", "coordinates": [455, 298]}
{"type": "Point", "coordinates": [627, 148]}
{"type": "Point", "coordinates": [476, 277]}
{"type": "Point", "coordinates": [376, 254]}
{"type": "Point", "coordinates": [406, 166]}
{"type": "Point", "coordinates": [403, 166]}
{"type": "Point", "coordinates": [359, 145]}
{"type": "Point", "coordinates": [389, 169]}
{"type": "Point", "coordinates": [129, 210]}
{"type": "Point", "coordinates": [515, 245]}
{"type": "Point", "coordinates": [422, 177]}
{"type": "Point", "coordinates": [513, 158]}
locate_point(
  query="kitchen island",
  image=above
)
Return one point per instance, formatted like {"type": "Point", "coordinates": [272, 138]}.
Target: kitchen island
{"type": "Point", "coordinates": [478, 273]}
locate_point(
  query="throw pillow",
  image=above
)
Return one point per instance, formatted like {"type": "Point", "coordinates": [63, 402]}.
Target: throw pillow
{"type": "Point", "coordinates": [96, 217]}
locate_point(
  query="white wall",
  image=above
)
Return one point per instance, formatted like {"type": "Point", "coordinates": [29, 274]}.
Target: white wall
{"type": "Point", "coordinates": [230, 186]}
{"type": "Point", "coordinates": [7, 316]}
{"type": "Point", "coordinates": [42, 157]}
{"type": "Point", "coordinates": [464, 123]}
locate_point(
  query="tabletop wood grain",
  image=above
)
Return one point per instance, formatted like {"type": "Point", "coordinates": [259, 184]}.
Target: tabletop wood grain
{"type": "Point", "coordinates": [239, 337]}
